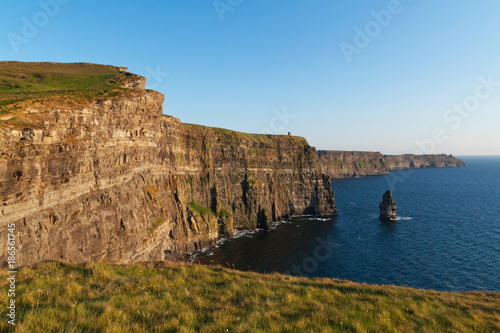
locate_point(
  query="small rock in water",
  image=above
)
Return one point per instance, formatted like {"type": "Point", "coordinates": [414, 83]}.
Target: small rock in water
{"type": "Point", "coordinates": [388, 206]}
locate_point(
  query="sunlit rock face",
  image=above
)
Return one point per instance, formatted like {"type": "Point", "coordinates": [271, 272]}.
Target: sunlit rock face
{"type": "Point", "coordinates": [115, 180]}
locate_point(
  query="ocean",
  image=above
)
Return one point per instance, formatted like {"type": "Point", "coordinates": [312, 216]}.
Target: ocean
{"type": "Point", "coordinates": [447, 236]}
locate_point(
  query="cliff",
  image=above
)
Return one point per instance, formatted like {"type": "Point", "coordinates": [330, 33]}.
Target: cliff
{"type": "Point", "coordinates": [90, 169]}
{"type": "Point", "coordinates": [344, 164]}
{"type": "Point", "coordinates": [408, 161]}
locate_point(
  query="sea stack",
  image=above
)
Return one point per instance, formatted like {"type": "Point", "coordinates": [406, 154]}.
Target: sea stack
{"type": "Point", "coordinates": [388, 206]}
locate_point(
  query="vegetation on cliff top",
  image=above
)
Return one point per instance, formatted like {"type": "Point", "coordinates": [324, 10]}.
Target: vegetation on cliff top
{"type": "Point", "coordinates": [230, 137]}
{"type": "Point", "coordinates": [53, 297]}
{"type": "Point", "coordinates": [27, 89]}
{"type": "Point", "coordinates": [25, 77]}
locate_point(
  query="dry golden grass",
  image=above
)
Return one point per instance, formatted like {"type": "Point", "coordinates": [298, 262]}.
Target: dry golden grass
{"type": "Point", "coordinates": [53, 297]}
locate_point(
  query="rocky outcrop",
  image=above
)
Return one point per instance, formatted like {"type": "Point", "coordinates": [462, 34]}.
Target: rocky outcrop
{"type": "Point", "coordinates": [117, 181]}
{"type": "Point", "coordinates": [345, 164]}
{"type": "Point", "coordinates": [388, 207]}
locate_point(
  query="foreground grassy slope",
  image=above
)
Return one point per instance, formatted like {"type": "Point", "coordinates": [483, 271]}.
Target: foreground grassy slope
{"type": "Point", "coordinates": [53, 297]}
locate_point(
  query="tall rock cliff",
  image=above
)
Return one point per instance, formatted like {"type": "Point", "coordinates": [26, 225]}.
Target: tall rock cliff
{"type": "Point", "coordinates": [345, 164]}
{"type": "Point", "coordinates": [112, 179]}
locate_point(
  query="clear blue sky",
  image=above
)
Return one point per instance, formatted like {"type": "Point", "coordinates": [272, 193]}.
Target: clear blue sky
{"type": "Point", "coordinates": [267, 57]}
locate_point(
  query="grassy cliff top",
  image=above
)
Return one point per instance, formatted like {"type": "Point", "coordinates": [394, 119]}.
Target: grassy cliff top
{"type": "Point", "coordinates": [28, 88]}
{"type": "Point", "coordinates": [53, 297]}
{"type": "Point", "coordinates": [29, 77]}
{"type": "Point", "coordinates": [227, 136]}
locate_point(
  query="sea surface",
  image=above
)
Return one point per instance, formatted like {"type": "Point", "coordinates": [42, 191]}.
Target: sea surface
{"type": "Point", "coordinates": [447, 236]}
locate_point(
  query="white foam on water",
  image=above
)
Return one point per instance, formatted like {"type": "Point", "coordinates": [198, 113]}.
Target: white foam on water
{"type": "Point", "coordinates": [244, 233]}
{"type": "Point", "coordinates": [320, 219]}
{"type": "Point", "coordinates": [277, 223]}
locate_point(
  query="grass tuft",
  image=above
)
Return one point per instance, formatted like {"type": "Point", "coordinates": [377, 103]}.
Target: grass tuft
{"type": "Point", "coordinates": [197, 208]}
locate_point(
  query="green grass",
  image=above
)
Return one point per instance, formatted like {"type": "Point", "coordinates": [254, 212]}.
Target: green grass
{"type": "Point", "coordinates": [43, 86]}
{"type": "Point", "coordinates": [204, 211]}
{"type": "Point", "coordinates": [223, 213]}
{"type": "Point", "coordinates": [53, 297]}
{"type": "Point", "coordinates": [201, 210]}
{"type": "Point", "coordinates": [229, 136]}
{"type": "Point", "coordinates": [16, 77]}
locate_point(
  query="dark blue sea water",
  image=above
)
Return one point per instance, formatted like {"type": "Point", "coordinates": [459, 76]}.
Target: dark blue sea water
{"type": "Point", "coordinates": [447, 237]}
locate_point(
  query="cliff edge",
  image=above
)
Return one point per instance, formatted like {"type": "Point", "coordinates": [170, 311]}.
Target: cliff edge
{"type": "Point", "coordinates": [345, 164]}
{"type": "Point", "coordinates": [90, 169]}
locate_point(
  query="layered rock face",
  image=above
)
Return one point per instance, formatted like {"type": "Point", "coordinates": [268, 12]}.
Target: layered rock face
{"type": "Point", "coordinates": [345, 164]}
{"type": "Point", "coordinates": [409, 161]}
{"type": "Point", "coordinates": [118, 181]}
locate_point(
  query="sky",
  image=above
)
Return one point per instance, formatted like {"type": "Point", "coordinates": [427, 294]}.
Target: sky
{"type": "Point", "coordinates": [408, 76]}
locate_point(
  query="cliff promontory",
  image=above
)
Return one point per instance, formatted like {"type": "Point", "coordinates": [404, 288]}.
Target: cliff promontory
{"type": "Point", "coordinates": [90, 169]}
{"type": "Point", "coordinates": [344, 164]}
